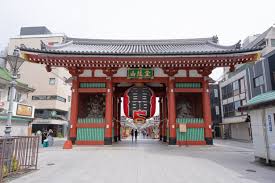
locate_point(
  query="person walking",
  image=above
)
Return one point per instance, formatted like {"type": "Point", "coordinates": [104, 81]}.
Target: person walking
{"type": "Point", "coordinates": [132, 134]}
{"type": "Point", "coordinates": [136, 134]}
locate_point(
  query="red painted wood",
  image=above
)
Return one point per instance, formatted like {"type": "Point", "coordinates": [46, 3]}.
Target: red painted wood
{"type": "Point", "coordinates": [164, 110]}
{"type": "Point", "coordinates": [74, 107]}
{"type": "Point", "coordinates": [115, 115]}
{"type": "Point", "coordinates": [89, 142]}
{"type": "Point", "coordinates": [188, 90]}
{"type": "Point", "coordinates": [191, 143]}
{"type": "Point", "coordinates": [179, 62]}
{"type": "Point", "coordinates": [109, 108]}
{"type": "Point", "coordinates": [90, 125]}
{"type": "Point", "coordinates": [126, 80]}
{"type": "Point", "coordinates": [172, 108]}
{"type": "Point", "coordinates": [206, 110]}
{"type": "Point", "coordinates": [92, 90]}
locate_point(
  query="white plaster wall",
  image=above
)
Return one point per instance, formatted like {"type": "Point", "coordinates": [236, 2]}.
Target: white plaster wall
{"type": "Point", "coordinates": [36, 76]}
{"type": "Point", "coordinates": [258, 132]}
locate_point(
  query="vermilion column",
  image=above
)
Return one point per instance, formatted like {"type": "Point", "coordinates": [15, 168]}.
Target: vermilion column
{"type": "Point", "coordinates": [74, 109]}
{"type": "Point", "coordinates": [172, 111]}
{"type": "Point", "coordinates": [207, 112]}
{"type": "Point", "coordinates": [115, 118]}
{"type": "Point", "coordinates": [160, 118]}
{"type": "Point", "coordinates": [108, 112]}
{"type": "Point", "coordinates": [164, 124]}
{"type": "Point", "coordinates": [119, 117]}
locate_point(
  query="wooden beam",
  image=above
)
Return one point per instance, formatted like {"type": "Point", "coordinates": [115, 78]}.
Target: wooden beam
{"type": "Point", "coordinates": [188, 90]}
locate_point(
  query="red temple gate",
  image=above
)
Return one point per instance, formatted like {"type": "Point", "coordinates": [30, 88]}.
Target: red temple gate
{"type": "Point", "coordinates": [177, 71]}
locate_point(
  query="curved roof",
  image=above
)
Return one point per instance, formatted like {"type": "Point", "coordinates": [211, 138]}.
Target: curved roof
{"type": "Point", "coordinates": [198, 46]}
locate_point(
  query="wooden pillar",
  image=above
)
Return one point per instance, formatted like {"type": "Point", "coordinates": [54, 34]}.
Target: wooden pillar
{"type": "Point", "coordinates": [74, 109]}
{"type": "Point", "coordinates": [172, 111]}
{"type": "Point", "coordinates": [108, 112]}
{"type": "Point", "coordinates": [160, 118]}
{"type": "Point", "coordinates": [206, 112]}
{"type": "Point", "coordinates": [115, 114]}
{"type": "Point", "coordinates": [119, 118]}
{"type": "Point", "coordinates": [164, 124]}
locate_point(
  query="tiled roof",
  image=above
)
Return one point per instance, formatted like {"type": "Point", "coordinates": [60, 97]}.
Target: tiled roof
{"type": "Point", "coordinates": [197, 46]}
{"type": "Point", "coordinates": [265, 98]}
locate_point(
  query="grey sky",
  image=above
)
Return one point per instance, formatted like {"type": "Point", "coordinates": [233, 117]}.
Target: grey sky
{"type": "Point", "coordinates": [142, 19]}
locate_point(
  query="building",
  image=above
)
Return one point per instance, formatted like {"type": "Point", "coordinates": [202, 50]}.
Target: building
{"type": "Point", "coordinates": [177, 71]}
{"type": "Point", "coordinates": [241, 85]}
{"type": "Point", "coordinates": [52, 94]}
{"type": "Point", "coordinates": [215, 108]}
{"type": "Point", "coordinates": [23, 112]}
{"type": "Point", "coordinates": [261, 110]}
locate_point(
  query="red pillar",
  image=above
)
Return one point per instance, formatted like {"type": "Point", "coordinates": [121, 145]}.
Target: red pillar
{"type": "Point", "coordinates": [207, 112]}
{"type": "Point", "coordinates": [119, 118]}
{"type": "Point", "coordinates": [108, 112]}
{"type": "Point", "coordinates": [160, 118]}
{"type": "Point", "coordinates": [172, 111]}
{"type": "Point", "coordinates": [74, 109]}
{"type": "Point", "coordinates": [164, 124]}
{"type": "Point", "coordinates": [115, 119]}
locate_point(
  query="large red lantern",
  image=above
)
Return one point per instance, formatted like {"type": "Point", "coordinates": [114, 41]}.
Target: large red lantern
{"type": "Point", "coordinates": [139, 103]}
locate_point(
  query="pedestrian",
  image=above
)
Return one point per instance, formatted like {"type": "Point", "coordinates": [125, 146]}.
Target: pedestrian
{"type": "Point", "coordinates": [50, 137]}
{"type": "Point", "coordinates": [136, 134]}
{"type": "Point", "coordinates": [132, 134]}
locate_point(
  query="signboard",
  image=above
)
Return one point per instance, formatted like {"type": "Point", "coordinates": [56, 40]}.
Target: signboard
{"type": "Point", "coordinates": [23, 110]}
{"type": "Point", "coordinates": [183, 128]}
{"type": "Point", "coordinates": [140, 73]}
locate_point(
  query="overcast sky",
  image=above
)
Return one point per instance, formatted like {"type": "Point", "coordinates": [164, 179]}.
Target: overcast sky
{"type": "Point", "coordinates": [231, 20]}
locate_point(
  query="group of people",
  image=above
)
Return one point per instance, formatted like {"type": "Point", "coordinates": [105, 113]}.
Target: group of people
{"type": "Point", "coordinates": [46, 135]}
{"type": "Point", "coordinates": [134, 133]}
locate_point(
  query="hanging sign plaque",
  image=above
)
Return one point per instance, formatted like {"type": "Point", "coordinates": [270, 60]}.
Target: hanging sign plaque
{"type": "Point", "coordinates": [140, 73]}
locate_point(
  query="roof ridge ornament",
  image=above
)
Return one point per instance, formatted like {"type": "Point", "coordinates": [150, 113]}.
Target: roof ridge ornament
{"type": "Point", "coordinates": [215, 39]}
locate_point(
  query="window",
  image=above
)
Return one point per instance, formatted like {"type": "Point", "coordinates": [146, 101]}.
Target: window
{"type": "Point", "coordinates": [258, 81]}
{"type": "Point", "coordinates": [69, 98]}
{"type": "Point", "coordinates": [237, 104]}
{"type": "Point", "coordinates": [242, 86]}
{"type": "Point", "coordinates": [272, 42]}
{"type": "Point", "coordinates": [217, 110]}
{"type": "Point", "coordinates": [236, 87]}
{"type": "Point", "coordinates": [52, 81]}
{"type": "Point", "coordinates": [216, 93]}
{"type": "Point", "coordinates": [229, 110]}
{"type": "Point", "coordinates": [48, 97]}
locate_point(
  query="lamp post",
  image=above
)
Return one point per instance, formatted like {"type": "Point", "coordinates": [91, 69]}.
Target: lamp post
{"type": "Point", "coordinates": [15, 62]}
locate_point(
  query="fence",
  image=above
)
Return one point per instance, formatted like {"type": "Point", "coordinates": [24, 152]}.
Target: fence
{"type": "Point", "coordinates": [18, 154]}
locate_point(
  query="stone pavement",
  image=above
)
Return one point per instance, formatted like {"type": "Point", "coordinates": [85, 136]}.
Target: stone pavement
{"type": "Point", "coordinates": [150, 161]}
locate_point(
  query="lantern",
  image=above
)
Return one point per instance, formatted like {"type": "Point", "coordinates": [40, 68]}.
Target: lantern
{"type": "Point", "coordinates": [139, 103]}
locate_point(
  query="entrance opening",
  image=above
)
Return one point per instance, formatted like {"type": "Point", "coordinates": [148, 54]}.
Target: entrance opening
{"type": "Point", "coordinates": [137, 124]}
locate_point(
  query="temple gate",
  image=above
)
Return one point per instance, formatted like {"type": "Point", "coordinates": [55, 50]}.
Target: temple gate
{"type": "Point", "coordinates": [177, 71]}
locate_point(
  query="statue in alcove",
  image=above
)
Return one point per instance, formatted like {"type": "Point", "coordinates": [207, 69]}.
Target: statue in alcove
{"type": "Point", "coordinates": [96, 107]}
{"type": "Point", "coordinates": [184, 109]}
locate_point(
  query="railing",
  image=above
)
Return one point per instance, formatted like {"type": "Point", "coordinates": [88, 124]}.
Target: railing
{"type": "Point", "coordinates": [18, 154]}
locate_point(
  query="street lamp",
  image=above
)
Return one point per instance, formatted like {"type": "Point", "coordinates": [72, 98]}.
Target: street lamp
{"type": "Point", "coordinates": [15, 61]}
